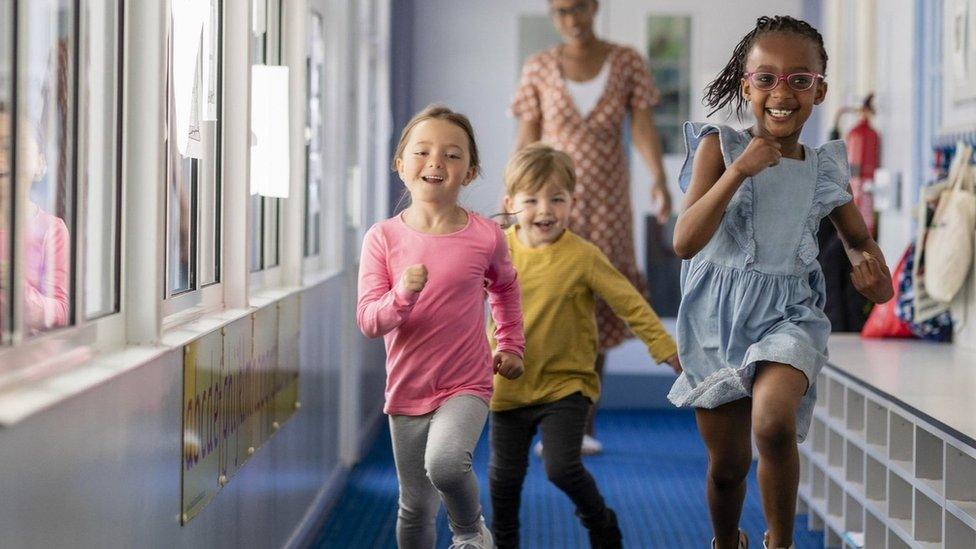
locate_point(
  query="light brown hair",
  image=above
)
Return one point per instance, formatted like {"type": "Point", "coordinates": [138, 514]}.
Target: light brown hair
{"type": "Point", "coordinates": [537, 165]}
{"type": "Point", "coordinates": [440, 112]}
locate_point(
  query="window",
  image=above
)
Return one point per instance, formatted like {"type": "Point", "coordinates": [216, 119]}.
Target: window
{"type": "Point", "coordinates": [6, 165]}
{"type": "Point", "coordinates": [60, 106]}
{"type": "Point", "coordinates": [193, 190]}
{"type": "Point", "coordinates": [314, 135]}
{"type": "Point", "coordinates": [101, 154]}
{"type": "Point", "coordinates": [44, 126]}
{"type": "Point", "coordinates": [265, 212]}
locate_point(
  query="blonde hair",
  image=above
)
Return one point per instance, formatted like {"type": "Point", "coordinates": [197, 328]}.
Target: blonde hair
{"type": "Point", "coordinates": [440, 112]}
{"type": "Point", "coordinates": [537, 165]}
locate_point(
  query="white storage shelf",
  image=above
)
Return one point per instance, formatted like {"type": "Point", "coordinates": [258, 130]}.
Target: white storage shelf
{"type": "Point", "coordinates": [874, 474]}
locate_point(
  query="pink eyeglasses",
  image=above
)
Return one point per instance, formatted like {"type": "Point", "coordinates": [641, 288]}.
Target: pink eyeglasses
{"type": "Point", "coordinates": [797, 81]}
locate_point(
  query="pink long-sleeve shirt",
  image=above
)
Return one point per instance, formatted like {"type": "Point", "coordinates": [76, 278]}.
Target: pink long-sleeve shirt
{"type": "Point", "coordinates": [435, 340]}
{"type": "Point", "coordinates": [47, 257]}
{"type": "Point", "coordinates": [46, 274]}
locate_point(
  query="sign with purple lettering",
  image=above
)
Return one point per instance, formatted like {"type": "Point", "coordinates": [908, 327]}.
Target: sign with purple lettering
{"type": "Point", "coordinates": [237, 355]}
{"type": "Point", "coordinates": [286, 376]}
{"type": "Point", "coordinates": [258, 391]}
{"type": "Point", "coordinates": [240, 384]}
{"type": "Point", "coordinates": [202, 395]}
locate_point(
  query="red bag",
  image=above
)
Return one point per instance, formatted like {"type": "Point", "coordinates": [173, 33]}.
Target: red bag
{"type": "Point", "coordinates": [883, 320]}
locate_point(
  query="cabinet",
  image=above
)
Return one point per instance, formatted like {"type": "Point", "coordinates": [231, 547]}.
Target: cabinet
{"type": "Point", "coordinates": [876, 474]}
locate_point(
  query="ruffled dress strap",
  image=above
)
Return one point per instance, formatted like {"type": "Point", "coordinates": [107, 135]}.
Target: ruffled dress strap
{"type": "Point", "coordinates": [833, 176]}
{"type": "Point", "coordinates": [738, 220]}
{"type": "Point", "coordinates": [731, 141]}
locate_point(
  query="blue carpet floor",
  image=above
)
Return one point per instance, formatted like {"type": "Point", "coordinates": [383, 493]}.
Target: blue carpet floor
{"type": "Point", "coordinates": [651, 473]}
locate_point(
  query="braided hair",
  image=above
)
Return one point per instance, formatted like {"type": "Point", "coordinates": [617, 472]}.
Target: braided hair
{"type": "Point", "coordinates": [725, 88]}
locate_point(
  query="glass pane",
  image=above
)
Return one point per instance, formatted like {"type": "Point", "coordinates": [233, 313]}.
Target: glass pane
{"type": "Point", "coordinates": [273, 36]}
{"type": "Point", "coordinates": [193, 181]}
{"type": "Point", "coordinates": [209, 212]}
{"type": "Point", "coordinates": [6, 188]}
{"type": "Point", "coordinates": [255, 205]}
{"type": "Point", "coordinates": [208, 90]}
{"type": "Point", "coordinates": [272, 230]}
{"type": "Point", "coordinates": [180, 253]}
{"type": "Point", "coordinates": [313, 137]}
{"type": "Point", "coordinates": [101, 62]}
{"type": "Point", "coordinates": [45, 160]}
{"type": "Point", "coordinates": [259, 28]}
{"type": "Point", "coordinates": [259, 31]}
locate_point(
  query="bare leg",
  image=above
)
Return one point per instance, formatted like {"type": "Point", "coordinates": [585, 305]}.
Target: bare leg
{"type": "Point", "coordinates": [725, 430]}
{"type": "Point", "coordinates": [601, 359]}
{"type": "Point", "coordinates": [776, 394]}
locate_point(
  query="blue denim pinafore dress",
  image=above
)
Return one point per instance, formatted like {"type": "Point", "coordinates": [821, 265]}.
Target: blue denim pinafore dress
{"type": "Point", "coordinates": [755, 292]}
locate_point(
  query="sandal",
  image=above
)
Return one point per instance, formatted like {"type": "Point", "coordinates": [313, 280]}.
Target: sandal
{"type": "Point", "coordinates": [743, 540]}
{"type": "Point", "coordinates": [766, 546]}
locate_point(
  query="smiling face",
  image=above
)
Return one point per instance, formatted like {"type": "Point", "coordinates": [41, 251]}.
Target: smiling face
{"type": "Point", "coordinates": [436, 162]}
{"type": "Point", "coordinates": [782, 111]}
{"type": "Point", "coordinates": [542, 215]}
{"type": "Point", "coordinates": [573, 19]}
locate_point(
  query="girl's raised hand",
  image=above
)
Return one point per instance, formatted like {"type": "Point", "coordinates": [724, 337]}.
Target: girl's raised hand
{"type": "Point", "coordinates": [414, 278]}
{"type": "Point", "coordinates": [675, 363]}
{"type": "Point", "coordinates": [762, 152]}
{"type": "Point", "coordinates": [872, 279]}
{"type": "Point", "coordinates": [508, 365]}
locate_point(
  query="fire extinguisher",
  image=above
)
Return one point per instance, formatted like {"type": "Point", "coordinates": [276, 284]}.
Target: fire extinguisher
{"type": "Point", "coordinates": [863, 155]}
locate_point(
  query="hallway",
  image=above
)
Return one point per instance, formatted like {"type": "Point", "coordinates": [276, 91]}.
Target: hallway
{"type": "Point", "coordinates": [651, 473]}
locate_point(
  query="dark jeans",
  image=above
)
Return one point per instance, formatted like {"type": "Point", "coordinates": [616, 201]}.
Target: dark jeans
{"type": "Point", "coordinates": [562, 423]}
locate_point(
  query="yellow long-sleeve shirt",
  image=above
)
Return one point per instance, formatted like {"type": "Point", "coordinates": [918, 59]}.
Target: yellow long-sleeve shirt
{"type": "Point", "coordinates": [558, 285]}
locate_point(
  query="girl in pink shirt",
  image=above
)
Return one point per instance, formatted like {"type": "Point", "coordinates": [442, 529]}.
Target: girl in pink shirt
{"type": "Point", "coordinates": [422, 281]}
{"type": "Point", "coordinates": [46, 241]}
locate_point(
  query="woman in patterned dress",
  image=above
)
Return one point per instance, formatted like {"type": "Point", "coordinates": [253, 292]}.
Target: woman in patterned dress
{"type": "Point", "coordinates": [545, 107]}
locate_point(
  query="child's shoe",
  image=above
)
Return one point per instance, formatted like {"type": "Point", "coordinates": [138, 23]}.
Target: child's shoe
{"type": "Point", "coordinates": [766, 544]}
{"type": "Point", "coordinates": [604, 534]}
{"type": "Point", "coordinates": [590, 446]}
{"type": "Point", "coordinates": [743, 540]}
{"type": "Point", "coordinates": [478, 540]}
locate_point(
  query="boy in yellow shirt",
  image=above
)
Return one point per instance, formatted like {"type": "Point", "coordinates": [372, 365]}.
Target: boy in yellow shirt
{"type": "Point", "coordinates": [560, 276]}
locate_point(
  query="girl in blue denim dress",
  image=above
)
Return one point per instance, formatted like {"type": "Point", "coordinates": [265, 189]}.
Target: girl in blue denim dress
{"type": "Point", "coordinates": [752, 334]}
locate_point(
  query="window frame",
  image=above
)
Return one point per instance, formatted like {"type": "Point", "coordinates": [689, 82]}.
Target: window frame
{"type": "Point", "coordinates": [313, 262]}
{"type": "Point", "coordinates": [335, 191]}
{"type": "Point", "coordinates": [82, 164]}
{"type": "Point", "coordinates": [198, 299]}
{"type": "Point", "coordinates": [267, 274]}
{"type": "Point", "coordinates": [20, 337]}
{"type": "Point", "coordinates": [28, 358]}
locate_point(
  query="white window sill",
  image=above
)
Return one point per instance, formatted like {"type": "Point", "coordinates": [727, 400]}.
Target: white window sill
{"type": "Point", "coordinates": [80, 368]}
{"type": "Point", "coordinates": [22, 401]}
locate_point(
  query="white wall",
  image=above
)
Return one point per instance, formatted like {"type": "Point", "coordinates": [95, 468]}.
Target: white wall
{"type": "Point", "coordinates": [894, 46]}
{"type": "Point", "coordinates": [103, 468]}
{"type": "Point", "coordinates": [874, 50]}
{"type": "Point", "coordinates": [466, 55]}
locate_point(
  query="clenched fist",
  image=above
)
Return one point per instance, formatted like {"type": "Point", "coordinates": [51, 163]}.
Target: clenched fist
{"type": "Point", "coordinates": [872, 279]}
{"type": "Point", "coordinates": [414, 278]}
{"type": "Point", "coordinates": [508, 365]}
{"type": "Point", "coordinates": [761, 153]}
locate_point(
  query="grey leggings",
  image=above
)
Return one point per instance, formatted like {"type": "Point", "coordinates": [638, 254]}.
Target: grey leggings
{"type": "Point", "coordinates": [433, 460]}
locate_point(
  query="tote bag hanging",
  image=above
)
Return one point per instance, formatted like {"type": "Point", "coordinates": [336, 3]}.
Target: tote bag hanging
{"type": "Point", "coordinates": [949, 250]}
